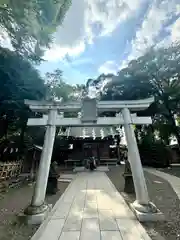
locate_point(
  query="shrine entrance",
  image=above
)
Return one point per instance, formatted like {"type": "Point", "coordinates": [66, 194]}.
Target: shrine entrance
{"type": "Point", "coordinates": [103, 149]}
{"type": "Point", "coordinates": [88, 115]}
{"type": "Point", "coordinates": [89, 150]}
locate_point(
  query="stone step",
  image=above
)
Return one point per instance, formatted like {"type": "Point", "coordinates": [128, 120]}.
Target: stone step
{"type": "Point", "coordinates": [98, 169]}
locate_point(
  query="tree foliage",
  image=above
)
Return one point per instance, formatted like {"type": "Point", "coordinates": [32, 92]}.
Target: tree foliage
{"type": "Point", "coordinates": [31, 23]}
{"type": "Point", "coordinates": [19, 81]}
{"type": "Point", "coordinates": [157, 73]}
{"type": "Point", "coordinates": [59, 89]}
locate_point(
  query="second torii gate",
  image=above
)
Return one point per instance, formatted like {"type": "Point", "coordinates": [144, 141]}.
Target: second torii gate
{"type": "Point", "coordinates": [89, 109]}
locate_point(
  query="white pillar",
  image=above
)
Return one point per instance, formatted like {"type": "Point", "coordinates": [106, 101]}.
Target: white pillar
{"type": "Point", "coordinates": [45, 161]}
{"type": "Point", "coordinates": [135, 161]}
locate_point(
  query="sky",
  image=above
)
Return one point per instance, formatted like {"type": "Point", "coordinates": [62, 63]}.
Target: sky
{"type": "Point", "coordinates": [102, 36]}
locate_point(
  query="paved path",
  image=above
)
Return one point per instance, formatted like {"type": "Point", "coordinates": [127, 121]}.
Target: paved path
{"type": "Point", "coordinates": [173, 180]}
{"type": "Point", "coordinates": [91, 209]}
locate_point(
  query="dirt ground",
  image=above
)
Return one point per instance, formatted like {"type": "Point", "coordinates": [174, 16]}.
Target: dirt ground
{"type": "Point", "coordinates": [14, 202]}
{"type": "Point", "coordinates": [163, 196]}
{"type": "Point", "coordinates": [174, 170]}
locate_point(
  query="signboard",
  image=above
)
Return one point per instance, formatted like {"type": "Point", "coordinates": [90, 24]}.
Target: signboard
{"type": "Point", "coordinates": [89, 111]}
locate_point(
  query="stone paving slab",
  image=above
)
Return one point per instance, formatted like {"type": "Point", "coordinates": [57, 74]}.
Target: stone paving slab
{"type": "Point", "coordinates": [66, 177]}
{"type": "Point", "coordinates": [91, 208]}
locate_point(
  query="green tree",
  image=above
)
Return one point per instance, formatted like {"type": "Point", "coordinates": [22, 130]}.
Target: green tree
{"type": "Point", "coordinates": [157, 74]}
{"type": "Point", "coordinates": [19, 81]}
{"type": "Point", "coordinates": [31, 23]}
{"type": "Point", "coordinates": [59, 89]}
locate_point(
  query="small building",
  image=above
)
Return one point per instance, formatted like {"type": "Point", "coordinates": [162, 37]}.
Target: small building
{"type": "Point", "coordinates": [32, 158]}
{"type": "Point", "coordinates": [83, 142]}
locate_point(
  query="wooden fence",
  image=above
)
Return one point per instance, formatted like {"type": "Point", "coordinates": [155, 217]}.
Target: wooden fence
{"type": "Point", "coordinates": [10, 170]}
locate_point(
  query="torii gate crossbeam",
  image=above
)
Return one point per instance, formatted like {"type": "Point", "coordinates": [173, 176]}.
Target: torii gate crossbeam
{"type": "Point", "coordinates": [76, 122]}
{"type": "Point", "coordinates": [102, 106]}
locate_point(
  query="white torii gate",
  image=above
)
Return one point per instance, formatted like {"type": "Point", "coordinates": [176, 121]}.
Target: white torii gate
{"type": "Point", "coordinates": [89, 109]}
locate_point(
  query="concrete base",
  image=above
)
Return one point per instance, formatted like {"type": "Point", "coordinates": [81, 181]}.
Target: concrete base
{"type": "Point", "coordinates": [147, 213]}
{"type": "Point", "coordinates": [36, 219]}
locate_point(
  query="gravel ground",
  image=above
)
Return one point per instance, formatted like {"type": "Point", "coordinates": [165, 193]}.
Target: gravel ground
{"type": "Point", "coordinates": [14, 202]}
{"type": "Point", "coordinates": [174, 170]}
{"type": "Point", "coordinates": [164, 197]}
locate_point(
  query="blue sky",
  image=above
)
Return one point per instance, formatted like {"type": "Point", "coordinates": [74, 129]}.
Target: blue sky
{"type": "Point", "coordinates": [102, 36]}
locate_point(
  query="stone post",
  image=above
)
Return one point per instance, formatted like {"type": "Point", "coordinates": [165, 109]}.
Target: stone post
{"type": "Point", "coordinates": [38, 209]}
{"type": "Point", "coordinates": [129, 184]}
{"type": "Point", "coordinates": [143, 208]}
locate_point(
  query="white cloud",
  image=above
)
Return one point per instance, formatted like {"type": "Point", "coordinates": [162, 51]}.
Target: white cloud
{"type": "Point", "coordinates": [78, 28]}
{"type": "Point", "coordinates": [109, 13]}
{"type": "Point", "coordinates": [175, 30]}
{"type": "Point", "coordinates": [108, 67]}
{"type": "Point", "coordinates": [178, 9]}
{"type": "Point", "coordinates": [57, 52]}
{"type": "Point", "coordinates": [174, 34]}
{"type": "Point", "coordinates": [160, 12]}
{"type": "Point", "coordinates": [5, 40]}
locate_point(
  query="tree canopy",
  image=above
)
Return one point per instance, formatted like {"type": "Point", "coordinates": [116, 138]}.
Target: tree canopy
{"type": "Point", "coordinates": [30, 24]}
{"type": "Point", "coordinates": [19, 81]}
{"type": "Point", "coordinates": [59, 89]}
{"type": "Point", "coordinates": [157, 73]}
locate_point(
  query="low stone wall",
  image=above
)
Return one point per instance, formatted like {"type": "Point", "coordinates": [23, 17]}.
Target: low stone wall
{"type": "Point", "coordinates": [10, 169]}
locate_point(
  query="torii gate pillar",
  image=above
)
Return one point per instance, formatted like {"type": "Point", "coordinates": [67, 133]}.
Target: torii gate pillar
{"type": "Point", "coordinates": [38, 209]}
{"type": "Point", "coordinates": [143, 208]}
{"type": "Point", "coordinates": [134, 158]}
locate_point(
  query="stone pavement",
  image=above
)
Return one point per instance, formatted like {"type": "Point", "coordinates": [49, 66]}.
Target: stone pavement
{"type": "Point", "coordinates": [91, 209]}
